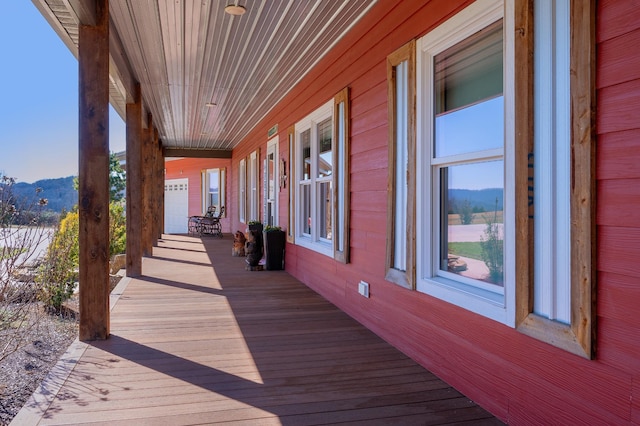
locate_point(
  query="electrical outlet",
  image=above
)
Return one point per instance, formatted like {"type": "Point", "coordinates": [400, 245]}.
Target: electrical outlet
{"type": "Point", "coordinates": [363, 288]}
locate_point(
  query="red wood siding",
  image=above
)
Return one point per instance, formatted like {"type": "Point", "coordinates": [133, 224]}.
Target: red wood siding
{"type": "Point", "coordinates": [618, 180]}
{"type": "Point", "coordinates": [519, 379]}
{"type": "Point", "coordinates": [191, 168]}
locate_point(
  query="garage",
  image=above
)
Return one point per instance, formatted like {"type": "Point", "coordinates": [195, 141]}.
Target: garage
{"type": "Point", "coordinates": [176, 206]}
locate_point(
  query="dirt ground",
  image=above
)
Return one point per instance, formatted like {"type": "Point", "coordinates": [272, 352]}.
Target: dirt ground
{"type": "Point", "coordinates": [22, 371]}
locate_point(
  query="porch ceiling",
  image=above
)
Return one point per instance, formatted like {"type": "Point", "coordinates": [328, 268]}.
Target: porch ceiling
{"type": "Point", "coordinates": [188, 53]}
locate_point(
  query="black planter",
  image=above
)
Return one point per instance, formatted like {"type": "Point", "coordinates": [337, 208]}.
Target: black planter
{"type": "Point", "coordinates": [274, 242]}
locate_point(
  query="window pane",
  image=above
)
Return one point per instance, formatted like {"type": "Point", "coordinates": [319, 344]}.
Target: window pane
{"type": "Point", "coordinates": [305, 154]}
{"type": "Point", "coordinates": [401, 167]}
{"type": "Point", "coordinates": [324, 204]}
{"type": "Point", "coordinates": [471, 228]}
{"type": "Point", "coordinates": [213, 181]}
{"type": "Point", "coordinates": [468, 97]}
{"type": "Point", "coordinates": [271, 179]}
{"type": "Point", "coordinates": [306, 210]}
{"type": "Point", "coordinates": [325, 159]}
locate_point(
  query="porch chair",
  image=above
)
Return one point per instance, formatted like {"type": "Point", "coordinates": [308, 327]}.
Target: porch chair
{"type": "Point", "coordinates": [194, 225]}
{"type": "Point", "coordinates": [211, 225]}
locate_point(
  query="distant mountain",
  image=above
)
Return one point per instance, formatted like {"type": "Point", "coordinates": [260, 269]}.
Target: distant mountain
{"type": "Point", "coordinates": [58, 192]}
{"type": "Point", "coordinates": [480, 199]}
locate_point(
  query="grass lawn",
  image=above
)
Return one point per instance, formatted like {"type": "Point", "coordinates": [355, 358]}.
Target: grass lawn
{"type": "Point", "coordinates": [472, 250]}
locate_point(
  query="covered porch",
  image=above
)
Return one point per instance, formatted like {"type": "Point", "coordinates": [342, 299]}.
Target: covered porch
{"type": "Point", "coordinates": [198, 339]}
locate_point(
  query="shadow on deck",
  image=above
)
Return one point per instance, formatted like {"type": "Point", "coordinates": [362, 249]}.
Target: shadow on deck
{"type": "Point", "coordinates": [199, 340]}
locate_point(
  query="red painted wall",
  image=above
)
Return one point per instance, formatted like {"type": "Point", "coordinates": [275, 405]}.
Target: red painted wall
{"type": "Point", "coordinates": [519, 379]}
{"type": "Point", "coordinates": [191, 168]}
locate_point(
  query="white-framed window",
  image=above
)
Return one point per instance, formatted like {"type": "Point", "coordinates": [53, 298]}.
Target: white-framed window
{"type": "Point", "coordinates": [465, 141]}
{"type": "Point", "coordinates": [253, 178]}
{"type": "Point", "coordinates": [321, 179]}
{"type": "Point", "coordinates": [242, 190]}
{"type": "Point", "coordinates": [402, 163]}
{"type": "Point", "coordinates": [505, 225]}
{"type": "Point", "coordinates": [213, 189]}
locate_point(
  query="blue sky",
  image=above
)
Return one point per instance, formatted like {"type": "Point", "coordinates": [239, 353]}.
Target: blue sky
{"type": "Point", "coordinates": [39, 101]}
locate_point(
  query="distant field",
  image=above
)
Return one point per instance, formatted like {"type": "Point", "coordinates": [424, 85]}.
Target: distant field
{"type": "Point", "coordinates": [478, 218]}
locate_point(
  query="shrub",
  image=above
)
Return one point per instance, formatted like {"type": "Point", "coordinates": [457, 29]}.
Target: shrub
{"type": "Point", "coordinates": [117, 228]}
{"type": "Point", "coordinates": [492, 243]}
{"type": "Point", "coordinates": [20, 235]}
{"type": "Point", "coordinates": [57, 274]}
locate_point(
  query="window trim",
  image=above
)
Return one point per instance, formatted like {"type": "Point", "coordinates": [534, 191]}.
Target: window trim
{"type": "Point", "coordinates": [222, 193]}
{"type": "Point", "coordinates": [578, 337]}
{"type": "Point", "coordinates": [291, 175]}
{"type": "Point", "coordinates": [253, 186]}
{"type": "Point", "coordinates": [407, 278]}
{"type": "Point", "coordinates": [341, 178]}
{"type": "Point", "coordinates": [242, 190]}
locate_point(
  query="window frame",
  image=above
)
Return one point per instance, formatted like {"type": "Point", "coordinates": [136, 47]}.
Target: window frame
{"type": "Point", "coordinates": [273, 149]}
{"type": "Point", "coordinates": [405, 54]}
{"type": "Point", "coordinates": [467, 294]}
{"type": "Point", "coordinates": [242, 190]}
{"type": "Point", "coordinates": [291, 176]}
{"type": "Point", "coordinates": [253, 186]}
{"type": "Point", "coordinates": [205, 182]}
{"type": "Point", "coordinates": [578, 337]}
{"type": "Point", "coordinates": [338, 247]}
{"type": "Point", "coordinates": [341, 175]}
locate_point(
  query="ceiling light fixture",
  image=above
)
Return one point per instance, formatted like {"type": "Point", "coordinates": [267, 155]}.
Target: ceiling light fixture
{"type": "Point", "coordinates": [209, 104]}
{"type": "Point", "coordinates": [235, 9]}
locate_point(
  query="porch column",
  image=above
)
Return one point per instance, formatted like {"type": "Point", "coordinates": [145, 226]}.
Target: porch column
{"type": "Point", "coordinates": [93, 191]}
{"type": "Point", "coordinates": [155, 190]}
{"type": "Point", "coordinates": [134, 185]}
{"type": "Point", "coordinates": [147, 188]}
{"type": "Point", "coordinates": [159, 179]}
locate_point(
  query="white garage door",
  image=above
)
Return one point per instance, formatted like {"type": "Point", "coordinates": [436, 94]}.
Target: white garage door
{"type": "Point", "coordinates": [176, 206]}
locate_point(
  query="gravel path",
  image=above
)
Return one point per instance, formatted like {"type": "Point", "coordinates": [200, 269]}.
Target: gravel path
{"type": "Point", "coordinates": [22, 371]}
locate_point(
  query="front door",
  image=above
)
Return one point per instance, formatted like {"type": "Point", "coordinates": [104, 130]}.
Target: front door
{"type": "Point", "coordinates": [271, 183]}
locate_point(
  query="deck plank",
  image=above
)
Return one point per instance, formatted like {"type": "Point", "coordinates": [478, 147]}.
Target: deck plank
{"type": "Point", "coordinates": [198, 340]}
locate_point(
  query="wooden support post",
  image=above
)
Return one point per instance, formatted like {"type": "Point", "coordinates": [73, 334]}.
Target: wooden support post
{"type": "Point", "coordinates": [134, 185]}
{"type": "Point", "coordinates": [154, 190]}
{"type": "Point", "coordinates": [159, 178]}
{"type": "Point", "coordinates": [147, 194]}
{"type": "Point", "coordinates": [93, 194]}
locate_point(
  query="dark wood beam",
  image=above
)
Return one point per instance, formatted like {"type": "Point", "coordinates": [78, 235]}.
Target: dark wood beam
{"type": "Point", "coordinates": [196, 153]}
{"type": "Point", "coordinates": [86, 11]}
{"type": "Point", "coordinates": [93, 194]}
{"type": "Point", "coordinates": [134, 186]}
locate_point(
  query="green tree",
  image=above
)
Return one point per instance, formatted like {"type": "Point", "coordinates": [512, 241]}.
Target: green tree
{"type": "Point", "coordinates": [117, 179]}
{"type": "Point", "coordinates": [466, 212]}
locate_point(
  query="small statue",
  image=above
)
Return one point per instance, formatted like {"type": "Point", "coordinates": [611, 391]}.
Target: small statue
{"type": "Point", "coordinates": [239, 240]}
{"type": "Point", "coordinates": [253, 248]}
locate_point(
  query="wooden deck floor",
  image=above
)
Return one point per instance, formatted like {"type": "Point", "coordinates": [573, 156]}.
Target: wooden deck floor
{"type": "Point", "coordinates": [199, 340]}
